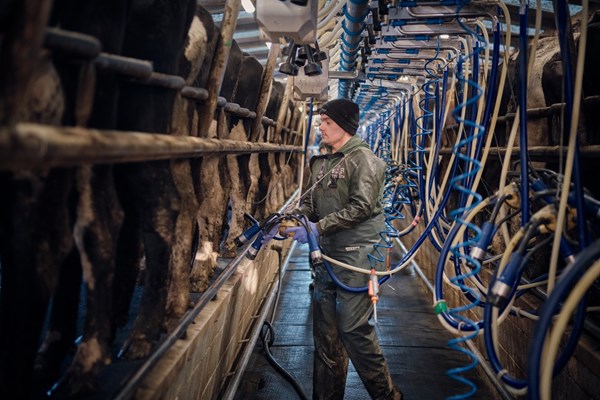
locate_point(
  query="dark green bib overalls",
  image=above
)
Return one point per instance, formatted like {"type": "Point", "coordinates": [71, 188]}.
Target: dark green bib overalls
{"type": "Point", "coordinates": [341, 317]}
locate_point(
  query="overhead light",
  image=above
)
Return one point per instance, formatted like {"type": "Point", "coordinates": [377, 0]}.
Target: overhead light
{"type": "Point", "coordinates": [443, 36]}
{"type": "Point", "coordinates": [248, 6]}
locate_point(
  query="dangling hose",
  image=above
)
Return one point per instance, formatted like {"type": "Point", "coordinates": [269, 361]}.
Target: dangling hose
{"type": "Point", "coordinates": [267, 340]}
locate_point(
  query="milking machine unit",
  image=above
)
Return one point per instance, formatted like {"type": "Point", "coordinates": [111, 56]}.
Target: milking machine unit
{"type": "Point", "coordinates": [273, 227]}
{"type": "Point", "coordinates": [295, 22]}
{"type": "Point", "coordinates": [288, 19]}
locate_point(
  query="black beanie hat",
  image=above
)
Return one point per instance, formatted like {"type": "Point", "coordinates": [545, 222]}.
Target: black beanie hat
{"type": "Point", "coordinates": [344, 112]}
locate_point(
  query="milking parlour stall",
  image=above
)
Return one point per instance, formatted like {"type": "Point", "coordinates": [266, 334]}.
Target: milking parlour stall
{"type": "Point", "coordinates": [152, 153]}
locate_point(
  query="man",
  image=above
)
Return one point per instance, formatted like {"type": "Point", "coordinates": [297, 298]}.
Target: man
{"type": "Point", "coordinates": [343, 204]}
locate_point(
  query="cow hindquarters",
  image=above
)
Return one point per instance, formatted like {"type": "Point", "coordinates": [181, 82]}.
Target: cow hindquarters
{"type": "Point", "coordinates": [99, 219]}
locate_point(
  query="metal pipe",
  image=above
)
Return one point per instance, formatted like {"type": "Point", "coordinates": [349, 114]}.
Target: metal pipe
{"type": "Point", "coordinates": [221, 102]}
{"type": "Point", "coordinates": [166, 81]}
{"type": "Point", "coordinates": [343, 74]}
{"type": "Point", "coordinates": [194, 93]}
{"type": "Point", "coordinates": [201, 94]}
{"type": "Point", "coordinates": [447, 11]}
{"type": "Point", "coordinates": [283, 110]}
{"type": "Point", "coordinates": [232, 107]}
{"type": "Point", "coordinates": [268, 121]}
{"type": "Point", "coordinates": [245, 113]}
{"type": "Point", "coordinates": [134, 381]}
{"type": "Point", "coordinates": [537, 152]}
{"type": "Point", "coordinates": [72, 43]}
{"type": "Point", "coordinates": [541, 112]}
{"type": "Point", "coordinates": [124, 65]}
{"type": "Point", "coordinates": [355, 15]}
{"type": "Point", "coordinates": [265, 88]}
{"type": "Point", "coordinates": [219, 64]}
{"type": "Point", "coordinates": [29, 145]}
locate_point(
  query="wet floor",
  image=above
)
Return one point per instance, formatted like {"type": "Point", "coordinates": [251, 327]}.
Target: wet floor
{"type": "Point", "coordinates": [413, 341]}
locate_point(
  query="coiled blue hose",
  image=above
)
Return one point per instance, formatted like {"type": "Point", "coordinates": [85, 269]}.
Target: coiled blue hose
{"type": "Point", "coordinates": [460, 183]}
{"type": "Point", "coordinates": [389, 211]}
{"type": "Point", "coordinates": [355, 12]}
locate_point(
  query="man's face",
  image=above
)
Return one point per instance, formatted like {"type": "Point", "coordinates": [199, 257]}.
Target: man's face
{"type": "Point", "coordinates": [331, 133]}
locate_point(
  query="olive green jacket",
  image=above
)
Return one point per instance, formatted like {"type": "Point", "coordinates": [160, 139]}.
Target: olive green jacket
{"type": "Point", "coordinates": [344, 197]}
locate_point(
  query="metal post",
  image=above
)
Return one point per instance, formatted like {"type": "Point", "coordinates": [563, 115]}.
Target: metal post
{"type": "Point", "coordinates": [219, 64]}
{"type": "Point", "coordinates": [289, 88]}
{"type": "Point", "coordinates": [265, 88]}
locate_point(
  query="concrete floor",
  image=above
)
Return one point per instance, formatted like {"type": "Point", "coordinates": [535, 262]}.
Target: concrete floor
{"type": "Point", "coordinates": [412, 339]}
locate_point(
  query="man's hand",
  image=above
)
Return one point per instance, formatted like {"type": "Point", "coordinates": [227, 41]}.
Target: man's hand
{"type": "Point", "coordinates": [299, 232]}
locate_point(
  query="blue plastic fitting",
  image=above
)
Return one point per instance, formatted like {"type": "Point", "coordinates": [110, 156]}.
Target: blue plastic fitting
{"type": "Point", "coordinates": [255, 247]}
{"type": "Point", "coordinates": [316, 257]}
{"type": "Point", "coordinates": [247, 235]}
{"type": "Point", "coordinates": [479, 251]}
{"type": "Point", "coordinates": [500, 293]}
{"type": "Point", "coordinates": [592, 206]}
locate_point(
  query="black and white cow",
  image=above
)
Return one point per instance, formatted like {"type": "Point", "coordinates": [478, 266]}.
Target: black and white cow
{"type": "Point", "coordinates": [149, 192]}
{"type": "Point", "coordinates": [553, 77]}
{"type": "Point", "coordinates": [212, 192]}
{"type": "Point", "coordinates": [97, 224]}
{"type": "Point", "coordinates": [37, 210]}
{"type": "Point", "coordinates": [238, 172]}
{"type": "Point", "coordinates": [91, 101]}
{"type": "Point", "coordinates": [41, 219]}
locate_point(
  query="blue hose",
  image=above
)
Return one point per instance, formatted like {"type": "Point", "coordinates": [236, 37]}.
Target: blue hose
{"type": "Point", "coordinates": [561, 15]}
{"type": "Point", "coordinates": [338, 282]}
{"type": "Point", "coordinates": [523, 154]}
{"type": "Point", "coordinates": [563, 286]}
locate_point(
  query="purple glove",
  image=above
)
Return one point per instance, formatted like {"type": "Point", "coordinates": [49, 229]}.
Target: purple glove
{"type": "Point", "coordinates": [273, 232]}
{"type": "Point", "coordinates": [300, 233]}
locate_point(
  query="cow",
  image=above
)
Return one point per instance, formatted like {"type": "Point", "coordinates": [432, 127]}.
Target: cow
{"type": "Point", "coordinates": [589, 122]}
{"type": "Point", "coordinates": [90, 102]}
{"type": "Point", "coordinates": [98, 224]}
{"type": "Point", "coordinates": [552, 78]}
{"type": "Point", "coordinates": [52, 224]}
{"type": "Point", "coordinates": [237, 172]}
{"type": "Point", "coordinates": [156, 201]}
{"type": "Point", "coordinates": [256, 190]}
{"type": "Point", "coordinates": [35, 223]}
{"type": "Point", "coordinates": [211, 188]}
